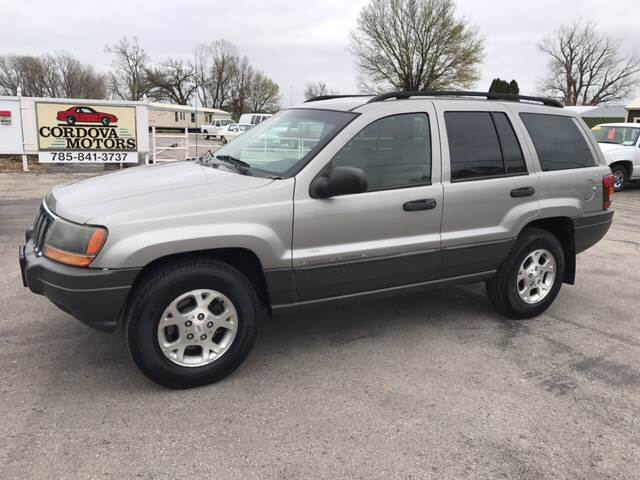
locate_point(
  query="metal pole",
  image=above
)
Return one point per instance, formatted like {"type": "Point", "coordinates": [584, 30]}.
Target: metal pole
{"type": "Point", "coordinates": [25, 163]}
{"type": "Point", "coordinates": [153, 142]}
{"type": "Point", "coordinates": [195, 63]}
{"type": "Point", "coordinates": [186, 143]}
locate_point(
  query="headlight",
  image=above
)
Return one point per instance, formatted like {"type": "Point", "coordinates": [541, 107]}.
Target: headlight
{"type": "Point", "coordinates": [73, 244]}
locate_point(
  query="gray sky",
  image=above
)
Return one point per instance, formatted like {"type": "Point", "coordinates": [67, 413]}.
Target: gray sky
{"type": "Point", "coordinates": [294, 42]}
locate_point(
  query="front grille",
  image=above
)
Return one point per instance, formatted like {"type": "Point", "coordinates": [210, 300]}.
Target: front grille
{"type": "Point", "coordinates": [40, 228]}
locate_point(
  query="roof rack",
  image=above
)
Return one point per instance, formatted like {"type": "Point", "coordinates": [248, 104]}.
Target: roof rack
{"type": "Point", "coordinates": [329, 97]}
{"type": "Point", "coordinates": [454, 93]}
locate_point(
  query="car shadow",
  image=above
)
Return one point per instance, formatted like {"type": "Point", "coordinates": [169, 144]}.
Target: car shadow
{"type": "Point", "coordinates": [287, 337]}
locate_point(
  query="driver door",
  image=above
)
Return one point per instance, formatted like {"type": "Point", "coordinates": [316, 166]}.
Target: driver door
{"type": "Point", "coordinates": [387, 236]}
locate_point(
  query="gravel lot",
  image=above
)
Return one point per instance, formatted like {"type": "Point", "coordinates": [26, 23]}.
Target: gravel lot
{"type": "Point", "coordinates": [427, 386]}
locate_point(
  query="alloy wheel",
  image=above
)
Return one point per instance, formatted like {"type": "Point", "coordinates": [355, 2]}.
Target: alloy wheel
{"type": "Point", "coordinates": [536, 276]}
{"type": "Point", "coordinates": [197, 328]}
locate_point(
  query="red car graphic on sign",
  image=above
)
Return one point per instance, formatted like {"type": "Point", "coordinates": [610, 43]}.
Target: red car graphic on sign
{"type": "Point", "coordinates": [85, 115]}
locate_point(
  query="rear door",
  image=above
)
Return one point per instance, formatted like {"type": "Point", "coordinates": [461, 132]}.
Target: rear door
{"type": "Point", "coordinates": [491, 188]}
{"type": "Point", "coordinates": [387, 236]}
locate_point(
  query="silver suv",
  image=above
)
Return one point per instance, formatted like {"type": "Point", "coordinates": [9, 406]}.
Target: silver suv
{"type": "Point", "coordinates": [334, 199]}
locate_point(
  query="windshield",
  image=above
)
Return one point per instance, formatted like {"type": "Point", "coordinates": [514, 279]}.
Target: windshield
{"type": "Point", "coordinates": [226, 122]}
{"type": "Point", "coordinates": [627, 136]}
{"type": "Point", "coordinates": [285, 142]}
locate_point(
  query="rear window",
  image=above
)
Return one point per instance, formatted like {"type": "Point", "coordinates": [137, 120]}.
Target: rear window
{"type": "Point", "coordinates": [558, 141]}
{"type": "Point", "coordinates": [481, 145]}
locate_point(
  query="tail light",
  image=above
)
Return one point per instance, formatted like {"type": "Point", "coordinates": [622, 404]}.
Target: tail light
{"type": "Point", "coordinates": [607, 190]}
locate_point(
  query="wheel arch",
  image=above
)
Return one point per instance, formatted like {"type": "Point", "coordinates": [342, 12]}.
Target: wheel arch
{"type": "Point", "coordinates": [626, 164]}
{"type": "Point", "coordinates": [563, 229]}
{"type": "Point", "coordinates": [242, 259]}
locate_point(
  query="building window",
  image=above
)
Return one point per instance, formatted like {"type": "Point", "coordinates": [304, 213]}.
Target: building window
{"type": "Point", "coordinates": [193, 117]}
{"type": "Point", "coordinates": [176, 114]}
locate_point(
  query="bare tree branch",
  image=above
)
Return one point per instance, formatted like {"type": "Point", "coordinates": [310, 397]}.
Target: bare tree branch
{"type": "Point", "coordinates": [317, 89]}
{"type": "Point", "coordinates": [586, 67]}
{"type": "Point", "coordinates": [173, 81]}
{"type": "Point", "coordinates": [128, 79]}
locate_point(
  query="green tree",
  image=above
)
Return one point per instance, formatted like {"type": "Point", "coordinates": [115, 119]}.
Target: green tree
{"type": "Point", "coordinates": [502, 86]}
{"type": "Point", "coordinates": [415, 45]}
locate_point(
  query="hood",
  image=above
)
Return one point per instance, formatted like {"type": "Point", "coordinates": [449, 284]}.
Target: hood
{"type": "Point", "coordinates": [614, 147]}
{"type": "Point", "coordinates": [614, 152]}
{"type": "Point", "coordinates": [140, 188]}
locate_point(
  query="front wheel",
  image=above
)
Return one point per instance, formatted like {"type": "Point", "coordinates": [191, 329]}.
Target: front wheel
{"type": "Point", "coordinates": [530, 279]}
{"type": "Point", "coordinates": [223, 140]}
{"type": "Point", "coordinates": [192, 323]}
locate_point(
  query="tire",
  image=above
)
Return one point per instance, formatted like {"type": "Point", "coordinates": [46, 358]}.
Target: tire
{"type": "Point", "coordinates": [223, 140]}
{"type": "Point", "coordinates": [71, 120]}
{"type": "Point", "coordinates": [159, 291]}
{"type": "Point", "coordinates": [503, 288]}
{"type": "Point", "coordinates": [620, 177]}
{"type": "Point", "coordinates": [105, 121]}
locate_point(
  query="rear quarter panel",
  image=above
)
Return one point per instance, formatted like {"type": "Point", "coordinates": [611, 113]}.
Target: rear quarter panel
{"type": "Point", "coordinates": [572, 192]}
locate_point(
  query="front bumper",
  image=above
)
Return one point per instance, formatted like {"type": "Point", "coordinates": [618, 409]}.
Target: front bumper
{"type": "Point", "coordinates": [95, 297]}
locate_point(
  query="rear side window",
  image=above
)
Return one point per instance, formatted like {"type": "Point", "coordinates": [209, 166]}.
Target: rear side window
{"type": "Point", "coordinates": [481, 145]}
{"type": "Point", "coordinates": [393, 152]}
{"type": "Point", "coordinates": [558, 142]}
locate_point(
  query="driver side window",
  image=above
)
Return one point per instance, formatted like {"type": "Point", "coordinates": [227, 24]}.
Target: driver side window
{"type": "Point", "coordinates": [393, 152]}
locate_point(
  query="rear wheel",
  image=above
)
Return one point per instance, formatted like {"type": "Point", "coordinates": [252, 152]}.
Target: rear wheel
{"type": "Point", "coordinates": [530, 279]}
{"type": "Point", "coordinates": [619, 177]}
{"type": "Point", "coordinates": [71, 120]}
{"type": "Point", "coordinates": [223, 140]}
{"type": "Point", "coordinates": [192, 323]}
{"type": "Point", "coordinates": [105, 121]}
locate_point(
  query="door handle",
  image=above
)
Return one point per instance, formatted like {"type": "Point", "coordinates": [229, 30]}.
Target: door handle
{"type": "Point", "coordinates": [522, 192]}
{"type": "Point", "coordinates": [422, 204]}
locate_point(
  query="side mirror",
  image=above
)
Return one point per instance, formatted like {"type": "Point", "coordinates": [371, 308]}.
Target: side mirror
{"type": "Point", "coordinates": [341, 181]}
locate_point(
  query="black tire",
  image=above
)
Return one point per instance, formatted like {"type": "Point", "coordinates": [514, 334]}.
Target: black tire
{"type": "Point", "coordinates": [71, 120]}
{"type": "Point", "coordinates": [621, 177]}
{"type": "Point", "coordinates": [158, 291]}
{"type": "Point", "coordinates": [105, 121]}
{"type": "Point", "coordinates": [502, 289]}
{"type": "Point", "coordinates": [223, 140]}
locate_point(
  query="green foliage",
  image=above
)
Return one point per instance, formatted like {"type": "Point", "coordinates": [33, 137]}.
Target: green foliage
{"type": "Point", "coordinates": [502, 86]}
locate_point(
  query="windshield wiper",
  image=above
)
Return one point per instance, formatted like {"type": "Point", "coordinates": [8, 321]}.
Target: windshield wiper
{"type": "Point", "coordinates": [240, 165]}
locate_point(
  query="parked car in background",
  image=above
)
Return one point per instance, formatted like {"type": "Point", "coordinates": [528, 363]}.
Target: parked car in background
{"type": "Point", "coordinates": [620, 144]}
{"type": "Point", "coordinates": [231, 131]}
{"type": "Point", "coordinates": [211, 131]}
{"type": "Point", "coordinates": [254, 118]}
{"type": "Point", "coordinates": [395, 193]}
{"type": "Point", "coordinates": [82, 114]}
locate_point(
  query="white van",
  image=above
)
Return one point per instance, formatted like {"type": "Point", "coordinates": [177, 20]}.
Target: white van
{"type": "Point", "coordinates": [254, 118]}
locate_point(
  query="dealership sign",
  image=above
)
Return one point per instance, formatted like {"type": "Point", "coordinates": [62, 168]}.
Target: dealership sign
{"type": "Point", "coordinates": [80, 133]}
